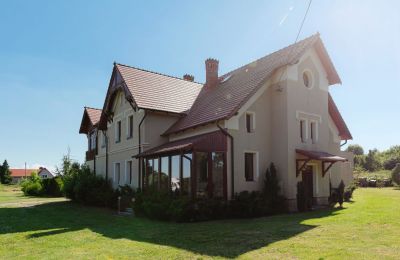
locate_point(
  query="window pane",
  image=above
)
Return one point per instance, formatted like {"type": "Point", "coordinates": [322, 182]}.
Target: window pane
{"type": "Point", "coordinates": [202, 174]}
{"type": "Point", "coordinates": [248, 122]}
{"type": "Point", "coordinates": [156, 176]}
{"type": "Point", "coordinates": [130, 126]}
{"type": "Point", "coordinates": [175, 181]}
{"type": "Point", "coordinates": [164, 173]}
{"type": "Point", "coordinates": [218, 174]}
{"type": "Point", "coordinates": [186, 184]}
{"type": "Point", "coordinates": [150, 176]}
{"type": "Point", "coordinates": [249, 166]}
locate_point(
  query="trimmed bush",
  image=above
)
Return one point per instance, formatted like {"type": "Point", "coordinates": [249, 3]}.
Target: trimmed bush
{"type": "Point", "coordinates": [53, 187]}
{"type": "Point", "coordinates": [32, 188]}
{"type": "Point", "coordinates": [348, 192]}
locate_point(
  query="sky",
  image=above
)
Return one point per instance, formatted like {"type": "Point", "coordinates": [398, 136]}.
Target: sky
{"type": "Point", "coordinates": [57, 56]}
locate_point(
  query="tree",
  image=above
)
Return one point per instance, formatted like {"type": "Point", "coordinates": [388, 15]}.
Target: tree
{"type": "Point", "coordinates": [396, 174]}
{"type": "Point", "coordinates": [372, 162]}
{"type": "Point", "coordinates": [356, 149]}
{"type": "Point", "coordinates": [5, 173]}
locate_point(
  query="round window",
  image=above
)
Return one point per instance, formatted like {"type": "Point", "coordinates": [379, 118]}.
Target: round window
{"type": "Point", "coordinates": [307, 79]}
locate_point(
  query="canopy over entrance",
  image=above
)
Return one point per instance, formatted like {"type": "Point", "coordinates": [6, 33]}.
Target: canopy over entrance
{"type": "Point", "coordinates": [210, 142]}
{"type": "Point", "coordinates": [327, 160]}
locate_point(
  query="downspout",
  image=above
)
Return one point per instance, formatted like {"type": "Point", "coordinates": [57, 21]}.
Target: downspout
{"type": "Point", "coordinates": [345, 142]}
{"type": "Point", "coordinates": [140, 146]}
{"type": "Point", "coordinates": [226, 133]}
{"type": "Point", "coordinates": [95, 153]}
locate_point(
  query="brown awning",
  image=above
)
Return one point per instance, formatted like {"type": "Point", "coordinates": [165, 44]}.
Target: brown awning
{"type": "Point", "coordinates": [321, 156]}
{"type": "Point", "coordinates": [210, 142]}
{"type": "Point", "coordinates": [327, 160]}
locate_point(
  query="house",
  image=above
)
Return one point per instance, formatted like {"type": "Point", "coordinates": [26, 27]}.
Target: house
{"type": "Point", "coordinates": [44, 173]}
{"type": "Point", "coordinates": [218, 138]}
{"type": "Point", "coordinates": [18, 174]}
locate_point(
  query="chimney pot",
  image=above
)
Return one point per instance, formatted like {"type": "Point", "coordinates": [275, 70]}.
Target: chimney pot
{"type": "Point", "coordinates": [211, 72]}
{"type": "Point", "coordinates": [188, 77]}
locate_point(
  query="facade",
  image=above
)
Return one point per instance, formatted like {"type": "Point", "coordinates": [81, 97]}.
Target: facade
{"type": "Point", "coordinates": [218, 138]}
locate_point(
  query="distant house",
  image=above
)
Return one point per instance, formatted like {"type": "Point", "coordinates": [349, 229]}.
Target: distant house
{"type": "Point", "coordinates": [18, 174]}
{"type": "Point", "coordinates": [218, 138]}
{"type": "Point", "coordinates": [45, 173]}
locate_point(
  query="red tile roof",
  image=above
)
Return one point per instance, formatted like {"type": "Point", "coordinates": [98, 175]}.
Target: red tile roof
{"type": "Point", "coordinates": [94, 114]}
{"type": "Point", "coordinates": [21, 172]}
{"type": "Point", "coordinates": [90, 119]}
{"type": "Point", "coordinates": [155, 91]}
{"type": "Point", "coordinates": [337, 118]}
{"type": "Point", "coordinates": [224, 100]}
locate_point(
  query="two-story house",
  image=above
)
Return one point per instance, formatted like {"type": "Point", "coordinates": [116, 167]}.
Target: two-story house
{"type": "Point", "coordinates": [218, 138]}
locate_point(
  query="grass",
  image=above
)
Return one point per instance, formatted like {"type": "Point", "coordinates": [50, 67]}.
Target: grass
{"type": "Point", "coordinates": [381, 174]}
{"type": "Point", "coordinates": [368, 228]}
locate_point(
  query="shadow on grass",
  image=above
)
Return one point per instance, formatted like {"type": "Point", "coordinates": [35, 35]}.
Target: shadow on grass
{"type": "Point", "coordinates": [226, 238]}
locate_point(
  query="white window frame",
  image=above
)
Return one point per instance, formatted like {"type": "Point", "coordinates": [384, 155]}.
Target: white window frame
{"type": "Point", "coordinates": [116, 136]}
{"type": "Point", "coordinates": [115, 172]}
{"type": "Point", "coordinates": [252, 123]}
{"type": "Point", "coordinates": [128, 126]}
{"type": "Point", "coordinates": [127, 171]}
{"type": "Point", "coordinates": [256, 165]}
{"type": "Point", "coordinates": [311, 78]}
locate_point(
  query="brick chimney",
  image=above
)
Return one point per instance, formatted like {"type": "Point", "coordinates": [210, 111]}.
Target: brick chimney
{"type": "Point", "coordinates": [211, 73]}
{"type": "Point", "coordinates": [188, 77]}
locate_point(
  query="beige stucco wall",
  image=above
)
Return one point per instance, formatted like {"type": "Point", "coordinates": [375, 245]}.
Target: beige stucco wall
{"type": "Point", "coordinates": [121, 152]}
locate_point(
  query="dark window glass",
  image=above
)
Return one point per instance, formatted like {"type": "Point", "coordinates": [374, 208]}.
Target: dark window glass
{"type": "Point", "coordinates": [248, 123]}
{"type": "Point", "coordinates": [130, 122]}
{"type": "Point", "coordinates": [202, 174]}
{"type": "Point", "coordinates": [129, 171]}
{"type": "Point", "coordinates": [218, 174]}
{"type": "Point", "coordinates": [164, 177]}
{"type": "Point", "coordinates": [249, 166]}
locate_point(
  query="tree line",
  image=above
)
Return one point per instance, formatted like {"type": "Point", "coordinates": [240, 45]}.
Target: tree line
{"type": "Point", "coordinates": [374, 160]}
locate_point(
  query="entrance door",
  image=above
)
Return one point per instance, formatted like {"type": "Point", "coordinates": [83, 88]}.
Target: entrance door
{"type": "Point", "coordinates": [307, 175]}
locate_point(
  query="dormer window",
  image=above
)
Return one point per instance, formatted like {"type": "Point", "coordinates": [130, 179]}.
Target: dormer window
{"type": "Point", "coordinates": [250, 122]}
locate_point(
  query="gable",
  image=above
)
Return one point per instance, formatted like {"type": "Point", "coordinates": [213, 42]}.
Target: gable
{"type": "Point", "coordinates": [149, 90]}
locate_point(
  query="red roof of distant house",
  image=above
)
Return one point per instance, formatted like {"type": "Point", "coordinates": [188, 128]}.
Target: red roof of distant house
{"type": "Point", "coordinates": [21, 172]}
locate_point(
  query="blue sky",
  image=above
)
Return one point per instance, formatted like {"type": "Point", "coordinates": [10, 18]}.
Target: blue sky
{"type": "Point", "coordinates": [57, 56]}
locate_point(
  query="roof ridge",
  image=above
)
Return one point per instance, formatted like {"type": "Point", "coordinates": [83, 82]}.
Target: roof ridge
{"type": "Point", "coordinates": [93, 108]}
{"type": "Point", "coordinates": [271, 53]}
{"type": "Point", "coordinates": [159, 73]}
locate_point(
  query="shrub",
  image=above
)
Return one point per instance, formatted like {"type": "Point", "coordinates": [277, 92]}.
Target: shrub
{"type": "Point", "coordinates": [32, 188]}
{"type": "Point", "coordinates": [396, 174]}
{"type": "Point", "coordinates": [348, 191]}
{"type": "Point", "coordinates": [302, 200]}
{"type": "Point", "coordinates": [390, 163]}
{"type": "Point", "coordinates": [53, 187]}
{"type": "Point", "coordinates": [341, 193]}
{"type": "Point", "coordinates": [85, 187]}
{"type": "Point", "coordinates": [274, 202]}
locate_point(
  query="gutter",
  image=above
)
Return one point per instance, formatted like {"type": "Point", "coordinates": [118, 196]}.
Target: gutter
{"type": "Point", "coordinates": [345, 142]}
{"type": "Point", "coordinates": [226, 133]}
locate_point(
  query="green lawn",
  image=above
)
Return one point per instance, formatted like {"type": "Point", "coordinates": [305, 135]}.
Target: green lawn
{"type": "Point", "coordinates": [369, 228]}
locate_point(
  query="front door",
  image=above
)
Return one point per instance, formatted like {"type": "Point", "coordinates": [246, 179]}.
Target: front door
{"type": "Point", "coordinates": [307, 176]}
